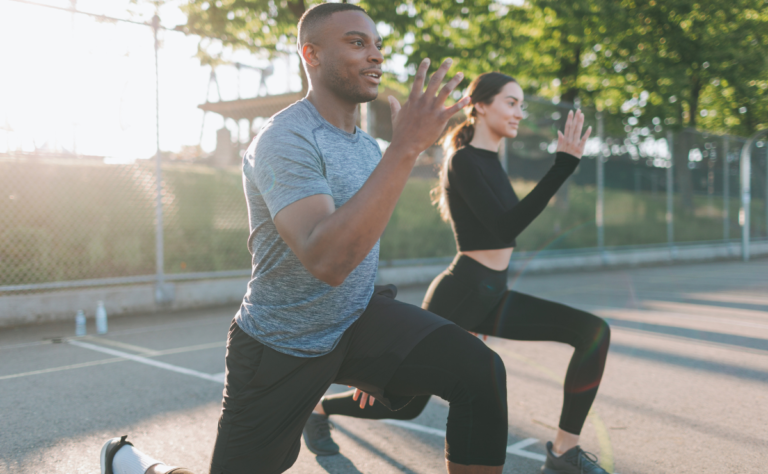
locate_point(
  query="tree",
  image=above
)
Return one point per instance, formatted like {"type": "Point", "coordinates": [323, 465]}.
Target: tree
{"type": "Point", "coordinates": [679, 55]}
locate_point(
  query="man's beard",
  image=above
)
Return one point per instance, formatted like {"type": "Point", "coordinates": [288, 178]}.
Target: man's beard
{"type": "Point", "coordinates": [347, 89]}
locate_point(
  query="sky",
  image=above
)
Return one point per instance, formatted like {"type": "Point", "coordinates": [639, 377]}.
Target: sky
{"type": "Point", "coordinates": [89, 86]}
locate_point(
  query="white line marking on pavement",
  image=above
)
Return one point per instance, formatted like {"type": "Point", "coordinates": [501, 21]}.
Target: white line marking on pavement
{"type": "Point", "coordinates": [222, 376]}
{"type": "Point", "coordinates": [144, 360]}
{"type": "Point", "coordinates": [120, 345]}
{"type": "Point", "coordinates": [66, 367]}
{"type": "Point", "coordinates": [516, 449]}
{"type": "Point", "coordinates": [414, 427]}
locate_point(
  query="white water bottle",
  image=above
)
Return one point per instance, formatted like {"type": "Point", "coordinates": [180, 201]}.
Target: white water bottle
{"type": "Point", "coordinates": [80, 323]}
{"type": "Point", "coordinates": [101, 318]}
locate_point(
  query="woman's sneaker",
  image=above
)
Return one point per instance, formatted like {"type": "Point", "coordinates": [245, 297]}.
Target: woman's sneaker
{"type": "Point", "coordinates": [573, 461]}
{"type": "Point", "coordinates": [317, 435]}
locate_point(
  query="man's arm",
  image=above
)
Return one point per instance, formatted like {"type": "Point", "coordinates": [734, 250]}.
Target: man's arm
{"type": "Point", "coordinates": [331, 242]}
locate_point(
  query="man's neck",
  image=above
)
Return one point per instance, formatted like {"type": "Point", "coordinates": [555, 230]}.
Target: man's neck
{"type": "Point", "coordinates": [339, 113]}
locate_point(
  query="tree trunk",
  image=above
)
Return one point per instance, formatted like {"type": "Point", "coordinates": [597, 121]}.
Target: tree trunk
{"type": "Point", "coordinates": [682, 146]}
{"type": "Point", "coordinates": [684, 184]}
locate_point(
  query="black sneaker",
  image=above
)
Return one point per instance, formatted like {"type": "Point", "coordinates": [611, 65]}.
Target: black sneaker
{"type": "Point", "coordinates": [317, 435]}
{"type": "Point", "coordinates": [108, 452]}
{"type": "Point", "coordinates": [573, 461]}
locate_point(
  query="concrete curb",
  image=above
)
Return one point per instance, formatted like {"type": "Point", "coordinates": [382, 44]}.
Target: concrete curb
{"type": "Point", "coordinates": [34, 308]}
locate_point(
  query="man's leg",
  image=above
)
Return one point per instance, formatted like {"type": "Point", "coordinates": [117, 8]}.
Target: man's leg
{"type": "Point", "coordinates": [268, 397]}
{"type": "Point", "coordinates": [459, 368]}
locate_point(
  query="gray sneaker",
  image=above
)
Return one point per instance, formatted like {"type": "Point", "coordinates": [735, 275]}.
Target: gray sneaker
{"type": "Point", "coordinates": [573, 461]}
{"type": "Point", "coordinates": [317, 435]}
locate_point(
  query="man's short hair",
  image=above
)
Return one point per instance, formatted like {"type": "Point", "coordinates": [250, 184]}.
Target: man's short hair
{"type": "Point", "coordinates": [314, 17]}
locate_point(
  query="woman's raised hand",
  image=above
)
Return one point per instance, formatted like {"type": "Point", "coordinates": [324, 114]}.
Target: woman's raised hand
{"type": "Point", "coordinates": [570, 140]}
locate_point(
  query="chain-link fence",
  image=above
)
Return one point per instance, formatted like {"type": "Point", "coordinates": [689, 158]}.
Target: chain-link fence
{"type": "Point", "coordinates": [79, 165]}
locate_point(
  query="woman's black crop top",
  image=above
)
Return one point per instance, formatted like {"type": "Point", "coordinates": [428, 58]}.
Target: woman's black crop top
{"type": "Point", "coordinates": [485, 211]}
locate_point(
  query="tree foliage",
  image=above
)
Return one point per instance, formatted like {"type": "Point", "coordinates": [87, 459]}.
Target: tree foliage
{"type": "Point", "coordinates": [691, 63]}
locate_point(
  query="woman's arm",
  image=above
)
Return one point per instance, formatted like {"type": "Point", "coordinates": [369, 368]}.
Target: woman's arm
{"type": "Point", "coordinates": [507, 224]}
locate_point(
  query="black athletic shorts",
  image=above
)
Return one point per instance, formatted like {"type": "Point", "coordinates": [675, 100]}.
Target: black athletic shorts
{"type": "Point", "coordinates": [268, 395]}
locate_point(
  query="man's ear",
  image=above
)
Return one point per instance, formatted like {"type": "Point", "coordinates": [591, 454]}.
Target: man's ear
{"type": "Point", "coordinates": [309, 55]}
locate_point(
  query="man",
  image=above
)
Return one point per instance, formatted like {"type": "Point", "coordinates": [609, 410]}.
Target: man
{"type": "Point", "coordinates": [319, 197]}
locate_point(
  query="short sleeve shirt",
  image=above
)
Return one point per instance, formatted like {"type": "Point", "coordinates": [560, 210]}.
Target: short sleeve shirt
{"type": "Point", "coordinates": [299, 154]}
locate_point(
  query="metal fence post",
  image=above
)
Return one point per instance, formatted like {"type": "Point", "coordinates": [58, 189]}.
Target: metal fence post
{"type": "Point", "coordinates": [670, 193]}
{"type": "Point", "coordinates": [726, 190]}
{"type": "Point", "coordinates": [746, 198]}
{"type": "Point", "coordinates": [163, 292]}
{"type": "Point", "coordinates": [599, 165]}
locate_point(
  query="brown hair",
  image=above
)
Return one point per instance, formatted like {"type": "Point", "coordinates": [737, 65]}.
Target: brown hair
{"type": "Point", "coordinates": [482, 90]}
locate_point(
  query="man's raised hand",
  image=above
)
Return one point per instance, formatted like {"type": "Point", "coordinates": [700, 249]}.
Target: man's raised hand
{"type": "Point", "coordinates": [418, 123]}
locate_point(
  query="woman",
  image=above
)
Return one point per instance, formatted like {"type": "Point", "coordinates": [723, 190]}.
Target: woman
{"type": "Point", "coordinates": [475, 196]}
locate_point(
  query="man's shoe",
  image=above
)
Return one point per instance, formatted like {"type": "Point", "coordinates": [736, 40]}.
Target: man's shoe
{"type": "Point", "coordinates": [317, 435]}
{"type": "Point", "coordinates": [573, 461]}
{"type": "Point", "coordinates": [108, 452]}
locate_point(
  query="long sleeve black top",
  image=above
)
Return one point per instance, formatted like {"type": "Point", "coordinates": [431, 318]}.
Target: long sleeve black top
{"type": "Point", "coordinates": [485, 211]}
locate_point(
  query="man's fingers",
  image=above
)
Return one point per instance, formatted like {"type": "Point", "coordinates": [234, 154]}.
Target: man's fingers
{"type": "Point", "coordinates": [418, 82]}
{"type": "Point", "coordinates": [449, 87]}
{"type": "Point", "coordinates": [394, 107]}
{"type": "Point", "coordinates": [371, 400]}
{"type": "Point", "coordinates": [456, 107]}
{"type": "Point", "coordinates": [437, 78]}
{"type": "Point", "coordinates": [363, 399]}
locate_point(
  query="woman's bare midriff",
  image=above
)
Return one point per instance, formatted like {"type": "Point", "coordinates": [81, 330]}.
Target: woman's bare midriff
{"type": "Point", "coordinates": [497, 259]}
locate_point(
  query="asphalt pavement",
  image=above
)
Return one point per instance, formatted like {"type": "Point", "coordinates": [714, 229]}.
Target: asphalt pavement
{"type": "Point", "coordinates": [685, 388]}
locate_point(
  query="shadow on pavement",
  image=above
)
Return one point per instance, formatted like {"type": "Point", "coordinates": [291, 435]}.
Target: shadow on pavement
{"type": "Point", "coordinates": [372, 449]}
{"type": "Point", "coordinates": [694, 334]}
{"type": "Point", "coordinates": [338, 464]}
{"type": "Point", "coordinates": [690, 362]}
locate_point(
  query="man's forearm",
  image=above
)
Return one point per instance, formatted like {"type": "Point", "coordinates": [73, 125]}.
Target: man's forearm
{"type": "Point", "coordinates": [339, 242]}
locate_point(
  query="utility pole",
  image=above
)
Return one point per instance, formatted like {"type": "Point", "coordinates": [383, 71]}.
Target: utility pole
{"type": "Point", "coordinates": [163, 292]}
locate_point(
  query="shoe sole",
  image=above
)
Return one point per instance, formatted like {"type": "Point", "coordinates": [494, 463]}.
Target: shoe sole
{"type": "Point", "coordinates": [103, 457]}
{"type": "Point", "coordinates": [545, 470]}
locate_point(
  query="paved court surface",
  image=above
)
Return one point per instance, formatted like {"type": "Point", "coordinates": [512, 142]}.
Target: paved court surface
{"type": "Point", "coordinates": [685, 389]}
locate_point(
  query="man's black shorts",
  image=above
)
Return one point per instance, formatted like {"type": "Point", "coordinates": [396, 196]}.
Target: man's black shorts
{"type": "Point", "coordinates": [268, 395]}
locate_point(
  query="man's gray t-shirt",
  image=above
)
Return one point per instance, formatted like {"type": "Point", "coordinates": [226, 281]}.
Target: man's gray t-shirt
{"type": "Point", "coordinates": [296, 155]}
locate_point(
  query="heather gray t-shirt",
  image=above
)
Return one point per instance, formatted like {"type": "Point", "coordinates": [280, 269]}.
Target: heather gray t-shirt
{"type": "Point", "coordinates": [296, 155]}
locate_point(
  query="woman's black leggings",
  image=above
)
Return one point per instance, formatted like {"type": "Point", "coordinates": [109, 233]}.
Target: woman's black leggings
{"type": "Point", "coordinates": [476, 298]}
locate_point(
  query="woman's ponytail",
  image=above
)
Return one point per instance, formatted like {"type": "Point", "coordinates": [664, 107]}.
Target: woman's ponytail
{"type": "Point", "coordinates": [456, 138]}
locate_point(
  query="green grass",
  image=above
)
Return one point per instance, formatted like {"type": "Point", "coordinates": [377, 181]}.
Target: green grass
{"type": "Point", "coordinates": [68, 221]}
